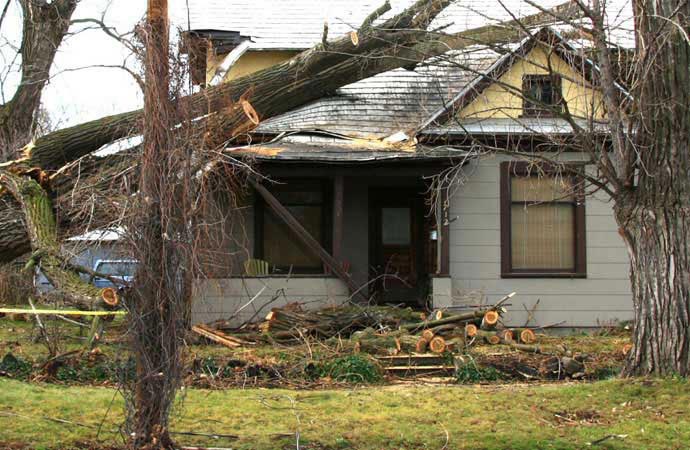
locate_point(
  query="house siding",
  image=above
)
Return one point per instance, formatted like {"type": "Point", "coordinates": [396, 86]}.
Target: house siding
{"type": "Point", "coordinates": [604, 296]}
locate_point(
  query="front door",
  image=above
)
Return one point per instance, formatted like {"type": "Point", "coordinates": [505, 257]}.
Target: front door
{"type": "Point", "coordinates": [396, 256]}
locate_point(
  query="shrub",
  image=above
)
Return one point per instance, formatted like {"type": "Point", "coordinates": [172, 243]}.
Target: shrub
{"type": "Point", "coordinates": [471, 373]}
{"type": "Point", "coordinates": [352, 368]}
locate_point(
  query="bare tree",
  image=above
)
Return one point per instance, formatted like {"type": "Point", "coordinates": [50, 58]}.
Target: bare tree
{"type": "Point", "coordinates": [44, 26]}
{"type": "Point", "coordinates": [639, 149]}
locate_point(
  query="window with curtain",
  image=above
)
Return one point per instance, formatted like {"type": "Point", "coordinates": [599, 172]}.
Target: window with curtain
{"type": "Point", "coordinates": [542, 223]}
{"type": "Point", "coordinates": [276, 243]}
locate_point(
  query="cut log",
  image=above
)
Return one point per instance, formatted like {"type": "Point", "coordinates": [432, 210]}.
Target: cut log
{"type": "Point", "coordinates": [437, 344]}
{"type": "Point", "coordinates": [219, 336]}
{"type": "Point", "coordinates": [428, 334]}
{"type": "Point", "coordinates": [490, 320]}
{"type": "Point", "coordinates": [490, 337]}
{"type": "Point", "coordinates": [506, 335]}
{"type": "Point", "coordinates": [455, 344]}
{"type": "Point", "coordinates": [471, 330]}
{"type": "Point", "coordinates": [421, 345]}
{"type": "Point", "coordinates": [110, 297]}
{"type": "Point", "coordinates": [526, 348]}
{"type": "Point", "coordinates": [526, 336]}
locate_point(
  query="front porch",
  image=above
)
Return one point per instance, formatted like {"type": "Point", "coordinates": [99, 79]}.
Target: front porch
{"type": "Point", "coordinates": [372, 220]}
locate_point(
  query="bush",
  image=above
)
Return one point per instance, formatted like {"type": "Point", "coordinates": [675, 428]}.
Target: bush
{"type": "Point", "coordinates": [14, 366]}
{"type": "Point", "coordinates": [471, 373]}
{"type": "Point", "coordinates": [352, 368]}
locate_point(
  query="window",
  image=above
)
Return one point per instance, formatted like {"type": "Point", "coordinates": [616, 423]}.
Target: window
{"type": "Point", "coordinates": [541, 95]}
{"type": "Point", "coordinates": [309, 202]}
{"type": "Point", "coordinates": [542, 223]}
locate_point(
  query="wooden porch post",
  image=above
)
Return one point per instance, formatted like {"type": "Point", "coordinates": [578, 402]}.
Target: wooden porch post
{"type": "Point", "coordinates": [338, 194]}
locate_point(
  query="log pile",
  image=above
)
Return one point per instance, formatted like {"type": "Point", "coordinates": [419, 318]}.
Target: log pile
{"type": "Point", "coordinates": [384, 331]}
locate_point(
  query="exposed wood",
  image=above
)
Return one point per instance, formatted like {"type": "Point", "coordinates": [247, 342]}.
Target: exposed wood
{"type": "Point", "coordinates": [490, 319]}
{"type": "Point", "coordinates": [471, 330]}
{"type": "Point", "coordinates": [526, 336]}
{"type": "Point", "coordinates": [421, 345]}
{"type": "Point", "coordinates": [219, 336]}
{"type": "Point", "coordinates": [437, 344]}
{"type": "Point", "coordinates": [428, 334]}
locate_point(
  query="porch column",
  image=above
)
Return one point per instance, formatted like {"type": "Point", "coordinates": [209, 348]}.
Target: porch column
{"type": "Point", "coordinates": [338, 194]}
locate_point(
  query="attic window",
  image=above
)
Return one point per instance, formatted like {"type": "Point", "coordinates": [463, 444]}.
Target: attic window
{"type": "Point", "coordinates": [541, 95]}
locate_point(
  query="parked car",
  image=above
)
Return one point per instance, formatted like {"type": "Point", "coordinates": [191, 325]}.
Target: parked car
{"type": "Point", "coordinates": [116, 268]}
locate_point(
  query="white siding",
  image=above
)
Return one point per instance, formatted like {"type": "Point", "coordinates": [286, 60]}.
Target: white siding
{"type": "Point", "coordinates": [475, 261]}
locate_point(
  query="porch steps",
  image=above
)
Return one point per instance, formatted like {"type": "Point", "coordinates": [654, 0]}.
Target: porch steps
{"type": "Point", "coordinates": [416, 365]}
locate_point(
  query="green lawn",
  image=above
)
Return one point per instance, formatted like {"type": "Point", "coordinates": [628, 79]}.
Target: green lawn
{"type": "Point", "coordinates": [653, 415]}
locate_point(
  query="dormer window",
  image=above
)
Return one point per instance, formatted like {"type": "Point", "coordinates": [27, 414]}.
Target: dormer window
{"type": "Point", "coordinates": [541, 95]}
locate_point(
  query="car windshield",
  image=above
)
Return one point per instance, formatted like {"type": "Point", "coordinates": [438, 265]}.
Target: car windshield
{"type": "Point", "coordinates": [117, 268]}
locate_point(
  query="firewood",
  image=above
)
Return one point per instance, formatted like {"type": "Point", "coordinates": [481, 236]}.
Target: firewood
{"type": "Point", "coordinates": [428, 334]}
{"type": "Point", "coordinates": [471, 330]}
{"type": "Point", "coordinates": [490, 337]}
{"type": "Point", "coordinates": [421, 345]}
{"type": "Point", "coordinates": [526, 336]}
{"type": "Point", "coordinates": [219, 336]}
{"type": "Point", "coordinates": [526, 348]}
{"type": "Point", "coordinates": [506, 335]}
{"type": "Point", "coordinates": [489, 320]}
{"type": "Point", "coordinates": [437, 344]}
{"type": "Point", "coordinates": [455, 344]}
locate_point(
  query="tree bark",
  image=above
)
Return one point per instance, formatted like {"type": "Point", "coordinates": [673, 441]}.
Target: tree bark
{"type": "Point", "coordinates": [654, 215]}
{"type": "Point", "coordinates": [44, 27]}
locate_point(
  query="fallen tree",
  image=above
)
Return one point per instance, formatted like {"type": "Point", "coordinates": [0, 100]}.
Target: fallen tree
{"type": "Point", "coordinates": [397, 42]}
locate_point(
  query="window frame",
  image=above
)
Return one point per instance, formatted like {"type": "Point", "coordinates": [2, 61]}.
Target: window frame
{"type": "Point", "coordinates": [509, 169]}
{"type": "Point", "coordinates": [260, 209]}
{"type": "Point", "coordinates": [532, 109]}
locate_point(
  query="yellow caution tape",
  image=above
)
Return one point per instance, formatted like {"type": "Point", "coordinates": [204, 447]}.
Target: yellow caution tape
{"type": "Point", "coordinates": [61, 312]}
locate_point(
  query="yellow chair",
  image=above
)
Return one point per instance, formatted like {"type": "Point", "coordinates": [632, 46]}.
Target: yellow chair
{"type": "Point", "coordinates": [256, 268]}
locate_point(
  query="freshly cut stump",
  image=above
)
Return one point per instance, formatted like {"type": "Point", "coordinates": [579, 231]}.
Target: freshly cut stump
{"type": "Point", "coordinates": [110, 297]}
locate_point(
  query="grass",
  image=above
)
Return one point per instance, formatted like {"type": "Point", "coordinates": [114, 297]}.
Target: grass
{"type": "Point", "coordinates": [654, 414]}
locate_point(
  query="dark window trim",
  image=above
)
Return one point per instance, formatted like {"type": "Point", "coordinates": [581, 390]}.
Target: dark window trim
{"type": "Point", "coordinates": [531, 109]}
{"type": "Point", "coordinates": [522, 168]}
{"type": "Point", "coordinates": [260, 208]}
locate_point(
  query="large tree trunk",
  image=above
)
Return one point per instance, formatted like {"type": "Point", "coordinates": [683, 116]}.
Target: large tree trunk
{"type": "Point", "coordinates": [660, 271]}
{"type": "Point", "coordinates": [44, 27]}
{"type": "Point", "coordinates": [654, 216]}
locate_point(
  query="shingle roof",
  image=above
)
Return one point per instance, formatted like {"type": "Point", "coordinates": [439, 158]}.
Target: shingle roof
{"type": "Point", "coordinates": [398, 100]}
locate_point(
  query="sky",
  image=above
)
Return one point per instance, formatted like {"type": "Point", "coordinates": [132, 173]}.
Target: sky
{"type": "Point", "coordinates": [78, 91]}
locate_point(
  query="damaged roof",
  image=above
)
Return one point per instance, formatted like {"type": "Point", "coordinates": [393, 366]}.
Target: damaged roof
{"type": "Point", "coordinates": [343, 152]}
{"type": "Point", "coordinates": [376, 107]}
